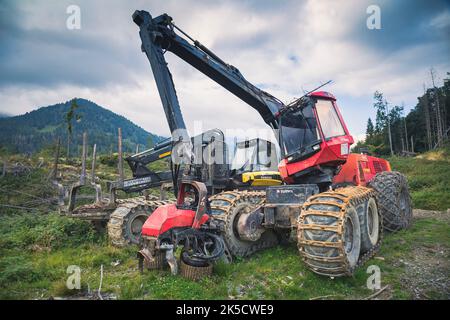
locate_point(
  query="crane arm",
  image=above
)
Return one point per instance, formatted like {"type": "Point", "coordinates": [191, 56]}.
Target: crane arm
{"type": "Point", "coordinates": [158, 34]}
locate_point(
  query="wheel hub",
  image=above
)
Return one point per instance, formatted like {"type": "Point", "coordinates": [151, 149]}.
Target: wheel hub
{"type": "Point", "coordinates": [348, 236]}
{"type": "Point", "coordinates": [136, 225]}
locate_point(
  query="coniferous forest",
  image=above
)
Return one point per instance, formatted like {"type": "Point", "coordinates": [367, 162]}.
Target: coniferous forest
{"type": "Point", "coordinates": [424, 128]}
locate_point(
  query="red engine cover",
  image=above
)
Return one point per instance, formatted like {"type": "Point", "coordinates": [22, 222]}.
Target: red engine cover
{"type": "Point", "coordinates": [167, 217]}
{"type": "Point", "coordinates": [360, 169]}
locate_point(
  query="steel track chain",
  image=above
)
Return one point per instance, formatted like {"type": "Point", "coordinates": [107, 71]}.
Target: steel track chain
{"type": "Point", "coordinates": [328, 256]}
{"type": "Point", "coordinates": [118, 219]}
{"type": "Point", "coordinates": [222, 206]}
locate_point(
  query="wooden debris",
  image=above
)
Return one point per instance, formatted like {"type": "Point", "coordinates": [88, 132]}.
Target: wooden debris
{"type": "Point", "coordinates": [376, 294]}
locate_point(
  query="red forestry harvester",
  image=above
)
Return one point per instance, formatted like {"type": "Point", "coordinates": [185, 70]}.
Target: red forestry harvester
{"type": "Point", "coordinates": [332, 203]}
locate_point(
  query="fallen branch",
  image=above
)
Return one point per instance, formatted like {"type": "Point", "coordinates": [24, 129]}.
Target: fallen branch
{"type": "Point", "coordinates": [376, 293]}
{"type": "Point", "coordinates": [17, 207]}
{"type": "Point", "coordinates": [101, 281]}
{"type": "Point", "coordinates": [25, 193]}
{"type": "Point", "coordinates": [322, 297]}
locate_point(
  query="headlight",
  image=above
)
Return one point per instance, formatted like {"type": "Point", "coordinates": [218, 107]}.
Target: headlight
{"type": "Point", "coordinates": [344, 148]}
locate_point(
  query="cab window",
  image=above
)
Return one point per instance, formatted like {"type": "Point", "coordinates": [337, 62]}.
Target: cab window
{"type": "Point", "coordinates": [329, 120]}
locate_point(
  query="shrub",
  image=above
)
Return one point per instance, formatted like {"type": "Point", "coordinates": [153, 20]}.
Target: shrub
{"type": "Point", "coordinates": [48, 231]}
{"type": "Point", "coordinates": [17, 269]}
{"type": "Point", "coordinates": [111, 160]}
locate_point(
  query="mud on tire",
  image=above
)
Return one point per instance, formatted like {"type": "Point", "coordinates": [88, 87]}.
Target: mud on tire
{"type": "Point", "coordinates": [394, 200]}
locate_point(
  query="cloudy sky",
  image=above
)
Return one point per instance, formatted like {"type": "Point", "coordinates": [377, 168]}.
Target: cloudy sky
{"type": "Point", "coordinates": [285, 47]}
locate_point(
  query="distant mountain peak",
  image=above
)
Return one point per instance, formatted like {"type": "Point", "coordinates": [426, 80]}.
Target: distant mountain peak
{"type": "Point", "coordinates": [34, 130]}
{"type": "Point", "coordinates": [5, 115]}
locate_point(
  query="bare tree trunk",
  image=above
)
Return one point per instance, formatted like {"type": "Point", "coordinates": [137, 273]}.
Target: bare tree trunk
{"type": "Point", "coordinates": [5, 164]}
{"type": "Point", "coordinates": [83, 159]}
{"type": "Point", "coordinates": [406, 135]}
{"type": "Point", "coordinates": [68, 146]}
{"type": "Point", "coordinates": [424, 102]}
{"type": "Point", "coordinates": [438, 111]}
{"type": "Point", "coordinates": [389, 127]}
{"type": "Point", "coordinates": [120, 164]}
{"type": "Point", "coordinates": [94, 156]}
{"type": "Point", "coordinates": [55, 164]}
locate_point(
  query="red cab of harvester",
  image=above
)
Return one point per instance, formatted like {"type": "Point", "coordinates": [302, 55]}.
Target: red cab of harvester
{"type": "Point", "coordinates": [334, 140]}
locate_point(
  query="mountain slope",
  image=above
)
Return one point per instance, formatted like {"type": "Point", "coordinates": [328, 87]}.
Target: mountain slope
{"type": "Point", "coordinates": [34, 130]}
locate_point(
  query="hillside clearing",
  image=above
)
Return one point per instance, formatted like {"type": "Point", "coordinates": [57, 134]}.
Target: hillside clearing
{"type": "Point", "coordinates": [37, 247]}
{"type": "Point", "coordinates": [428, 178]}
{"type": "Point", "coordinates": [414, 263]}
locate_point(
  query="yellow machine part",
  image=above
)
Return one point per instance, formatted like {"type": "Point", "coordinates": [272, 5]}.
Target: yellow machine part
{"type": "Point", "coordinates": [262, 178]}
{"type": "Point", "coordinates": [165, 154]}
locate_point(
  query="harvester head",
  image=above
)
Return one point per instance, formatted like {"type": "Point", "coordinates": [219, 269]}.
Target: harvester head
{"type": "Point", "coordinates": [186, 223]}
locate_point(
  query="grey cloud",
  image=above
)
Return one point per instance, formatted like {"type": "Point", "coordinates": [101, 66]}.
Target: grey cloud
{"type": "Point", "coordinates": [274, 43]}
{"type": "Point", "coordinates": [54, 57]}
{"type": "Point", "coordinates": [404, 23]}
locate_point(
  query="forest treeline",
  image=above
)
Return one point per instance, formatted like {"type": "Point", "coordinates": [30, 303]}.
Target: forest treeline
{"type": "Point", "coordinates": [424, 128]}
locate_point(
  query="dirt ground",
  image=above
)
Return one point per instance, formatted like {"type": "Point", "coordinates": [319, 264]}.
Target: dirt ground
{"type": "Point", "coordinates": [429, 269]}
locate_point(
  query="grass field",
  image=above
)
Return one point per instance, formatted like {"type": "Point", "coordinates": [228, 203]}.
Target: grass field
{"type": "Point", "coordinates": [428, 178]}
{"type": "Point", "coordinates": [37, 247]}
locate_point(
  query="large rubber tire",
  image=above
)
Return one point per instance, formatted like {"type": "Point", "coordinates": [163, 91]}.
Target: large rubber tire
{"type": "Point", "coordinates": [394, 200]}
{"type": "Point", "coordinates": [227, 207]}
{"type": "Point", "coordinates": [125, 225]}
{"type": "Point", "coordinates": [329, 231]}
{"type": "Point", "coordinates": [125, 222]}
{"type": "Point", "coordinates": [371, 225]}
{"type": "Point", "coordinates": [321, 258]}
{"type": "Point", "coordinates": [238, 247]}
{"type": "Point", "coordinates": [352, 237]}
